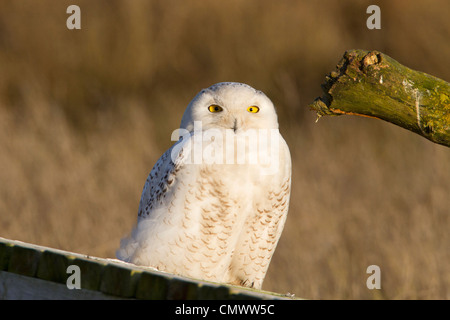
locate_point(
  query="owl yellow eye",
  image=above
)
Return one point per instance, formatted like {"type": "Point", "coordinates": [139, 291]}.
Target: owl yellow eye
{"type": "Point", "coordinates": [253, 109]}
{"type": "Point", "coordinates": [215, 108]}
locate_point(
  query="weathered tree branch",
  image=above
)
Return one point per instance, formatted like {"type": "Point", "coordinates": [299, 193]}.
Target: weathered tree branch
{"type": "Point", "coordinates": [373, 84]}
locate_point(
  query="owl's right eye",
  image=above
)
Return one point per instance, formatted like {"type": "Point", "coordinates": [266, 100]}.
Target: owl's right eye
{"type": "Point", "coordinates": [215, 108]}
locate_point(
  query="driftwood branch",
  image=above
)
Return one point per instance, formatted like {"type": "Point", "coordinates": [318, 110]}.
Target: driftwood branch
{"type": "Point", "coordinates": [373, 84]}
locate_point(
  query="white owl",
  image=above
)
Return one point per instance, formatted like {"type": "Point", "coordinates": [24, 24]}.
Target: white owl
{"type": "Point", "coordinates": [214, 205]}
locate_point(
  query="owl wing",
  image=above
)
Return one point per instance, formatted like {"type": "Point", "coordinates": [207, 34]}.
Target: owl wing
{"type": "Point", "coordinates": [185, 224]}
{"type": "Point", "coordinates": [158, 197]}
{"type": "Point", "coordinates": [157, 185]}
{"type": "Point", "coordinates": [263, 228]}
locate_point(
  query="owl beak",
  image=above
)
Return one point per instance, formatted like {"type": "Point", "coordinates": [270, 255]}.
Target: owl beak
{"type": "Point", "coordinates": [234, 125]}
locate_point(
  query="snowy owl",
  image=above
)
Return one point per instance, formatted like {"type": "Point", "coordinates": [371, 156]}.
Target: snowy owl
{"type": "Point", "coordinates": [214, 205]}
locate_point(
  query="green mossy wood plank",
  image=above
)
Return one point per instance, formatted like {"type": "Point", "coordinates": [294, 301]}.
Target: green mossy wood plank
{"type": "Point", "coordinates": [42, 269]}
{"type": "Point", "coordinates": [375, 85]}
{"type": "Point", "coordinates": [218, 292]}
{"type": "Point", "coordinates": [53, 266]}
{"type": "Point", "coordinates": [152, 286]}
{"type": "Point", "coordinates": [180, 289]}
{"type": "Point", "coordinates": [119, 281]}
{"type": "Point", "coordinates": [5, 254]}
{"type": "Point", "coordinates": [91, 273]}
{"type": "Point", "coordinates": [24, 261]}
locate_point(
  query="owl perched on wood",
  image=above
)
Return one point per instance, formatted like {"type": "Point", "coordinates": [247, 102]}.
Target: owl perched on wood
{"type": "Point", "coordinates": [214, 205]}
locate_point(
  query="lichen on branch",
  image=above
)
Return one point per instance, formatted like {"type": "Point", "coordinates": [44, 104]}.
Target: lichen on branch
{"type": "Point", "coordinates": [372, 84]}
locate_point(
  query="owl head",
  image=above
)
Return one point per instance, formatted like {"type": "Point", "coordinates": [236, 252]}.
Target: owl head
{"type": "Point", "coordinates": [230, 105]}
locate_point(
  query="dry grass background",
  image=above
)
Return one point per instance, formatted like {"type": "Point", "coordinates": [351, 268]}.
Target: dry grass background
{"type": "Point", "coordinates": [85, 114]}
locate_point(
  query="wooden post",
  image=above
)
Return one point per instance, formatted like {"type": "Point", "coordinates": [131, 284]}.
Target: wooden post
{"type": "Point", "coordinates": [29, 271]}
{"type": "Point", "coordinates": [374, 85]}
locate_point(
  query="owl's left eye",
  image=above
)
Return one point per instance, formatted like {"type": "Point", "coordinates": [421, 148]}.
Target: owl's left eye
{"type": "Point", "coordinates": [253, 109]}
{"type": "Point", "coordinates": [215, 108]}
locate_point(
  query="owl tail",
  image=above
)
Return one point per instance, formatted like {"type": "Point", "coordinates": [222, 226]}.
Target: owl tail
{"type": "Point", "coordinates": [127, 249]}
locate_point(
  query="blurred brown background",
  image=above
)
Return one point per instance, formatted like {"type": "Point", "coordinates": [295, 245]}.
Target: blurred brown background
{"type": "Point", "coordinates": [84, 115]}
